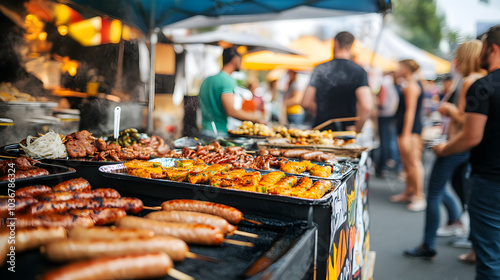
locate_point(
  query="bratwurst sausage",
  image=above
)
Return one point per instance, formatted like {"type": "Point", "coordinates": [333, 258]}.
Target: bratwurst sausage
{"type": "Point", "coordinates": [20, 204]}
{"type": "Point", "coordinates": [34, 191]}
{"type": "Point", "coordinates": [78, 184]}
{"type": "Point", "coordinates": [193, 234]}
{"type": "Point", "coordinates": [108, 233]}
{"type": "Point", "coordinates": [131, 205]}
{"type": "Point", "coordinates": [29, 238]}
{"type": "Point", "coordinates": [67, 195]}
{"type": "Point", "coordinates": [193, 218]}
{"type": "Point", "coordinates": [75, 250]}
{"type": "Point", "coordinates": [231, 214]}
{"type": "Point", "coordinates": [125, 267]}
{"type": "Point", "coordinates": [100, 216]}
{"type": "Point", "coordinates": [50, 220]}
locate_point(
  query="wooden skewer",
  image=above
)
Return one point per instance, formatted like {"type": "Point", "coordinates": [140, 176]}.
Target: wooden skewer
{"type": "Point", "coordinates": [237, 242]}
{"type": "Point", "coordinates": [335, 120]}
{"type": "Point", "coordinates": [4, 196]}
{"type": "Point", "coordinates": [7, 157]}
{"type": "Point", "coordinates": [152, 207]}
{"type": "Point", "coordinates": [202, 258]}
{"type": "Point", "coordinates": [252, 221]}
{"type": "Point", "coordinates": [247, 234]}
{"type": "Point", "coordinates": [179, 275]}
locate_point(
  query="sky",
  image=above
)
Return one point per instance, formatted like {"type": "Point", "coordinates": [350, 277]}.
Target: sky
{"type": "Point", "coordinates": [463, 14]}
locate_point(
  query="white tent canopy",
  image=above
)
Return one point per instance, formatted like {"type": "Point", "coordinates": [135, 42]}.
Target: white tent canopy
{"type": "Point", "coordinates": [392, 46]}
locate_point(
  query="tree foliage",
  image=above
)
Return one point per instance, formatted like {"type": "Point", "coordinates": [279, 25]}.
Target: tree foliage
{"type": "Point", "coordinates": [419, 22]}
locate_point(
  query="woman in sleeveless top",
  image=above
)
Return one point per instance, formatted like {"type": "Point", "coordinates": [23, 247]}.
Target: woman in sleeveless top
{"type": "Point", "coordinates": [467, 64]}
{"type": "Point", "coordinates": [409, 126]}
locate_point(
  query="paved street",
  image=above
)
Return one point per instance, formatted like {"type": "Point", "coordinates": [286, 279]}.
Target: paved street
{"type": "Point", "coordinates": [394, 229]}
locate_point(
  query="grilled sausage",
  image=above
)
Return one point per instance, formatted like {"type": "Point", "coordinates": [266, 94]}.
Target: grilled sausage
{"type": "Point", "coordinates": [51, 220]}
{"type": "Point", "coordinates": [21, 174]}
{"type": "Point", "coordinates": [78, 184]}
{"type": "Point", "coordinates": [131, 205]}
{"type": "Point", "coordinates": [311, 155]}
{"type": "Point", "coordinates": [20, 205]}
{"type": "Point", "coordinates": [193, 234]}
{"type": "Point", "coordinates": [100, 216]}
{"type": "Point", "coordinates": [124, 267]}
{"type": "Point", "coordinates": [107, 233]}
{"type": "Point", "coordinates": [294, 153]}
{"type": "Point", "coordinates": [229, 213]}
{"type": "Point", "coordinates": [34, 191]}
{"type": "Point", "coordinates": [193, 218]}
{"type": "Point", "coordinates": [29, 238]}
{"type": "Point", "coordinates": [67, 195]}
{"type": "Point", "coordinates": [275, 152]}
{"type": "Point", "coordinates": [81, 249]}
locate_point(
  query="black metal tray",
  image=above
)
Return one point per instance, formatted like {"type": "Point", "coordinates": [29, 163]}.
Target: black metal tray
{"type": "Point", "coordinates": [57, 172]}
{"type": "Point", "coordinates": [119, 172]}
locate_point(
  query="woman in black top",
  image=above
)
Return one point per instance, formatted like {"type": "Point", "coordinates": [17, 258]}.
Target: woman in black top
{"type": "Point", "coordinates": [409, 126]}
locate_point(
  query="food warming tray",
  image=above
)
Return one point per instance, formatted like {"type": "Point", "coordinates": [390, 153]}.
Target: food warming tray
{"type": "Point", "coordinates": [57, 174]}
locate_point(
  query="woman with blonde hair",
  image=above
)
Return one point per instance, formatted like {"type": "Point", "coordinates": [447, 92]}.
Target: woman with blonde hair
{"type": "Point", "coordinates": [409, 126]}
{"type": "Point", "coordinates": [468, 65]}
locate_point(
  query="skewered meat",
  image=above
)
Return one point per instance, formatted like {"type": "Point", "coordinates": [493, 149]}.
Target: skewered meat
{"type": "Point", "coordinates": [131, 205]}
{"type": "Point", "coordinates": [100, 216]}
{"type": "Point", "coordinates": [229, 213]}
{"type": "Point", "coordinates": [51, 220]}
{"type": "Point", "coordinates": [33, 191]}
{"type": "Point", "coordinates": [193, 218]}
{"type": "Point", "coordinates": [81, 249]}
{"type": "Point", "coordinates": [130, 267]}
{"type": "Point", "coordinates": [190, 233]}
{"type": "Point", "coordinates": [20, 205]}
{"type": "Point", "coordinates": [29, 238]}
{"type": "Point", "coordinates": [78, 184]}
{"type": "Point", "coordinates": [107, 233]}
{"type": "Point", "coordinates": [67, 195]}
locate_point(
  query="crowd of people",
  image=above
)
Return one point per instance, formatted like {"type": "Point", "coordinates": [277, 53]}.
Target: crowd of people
{"type": "Point", "coordinates": [468, 105]}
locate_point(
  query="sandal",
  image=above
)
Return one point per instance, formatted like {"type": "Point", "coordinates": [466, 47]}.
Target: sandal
{"type": "Point", "coordinates": [400, 198]}
{"type": "Point", "coordinates": [469, 258]}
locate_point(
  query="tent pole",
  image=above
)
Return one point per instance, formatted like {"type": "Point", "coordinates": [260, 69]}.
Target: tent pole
{"type": "Point", "coordinates": [153, 39]}
{"type": "Point", "coordinates": [377, 41]}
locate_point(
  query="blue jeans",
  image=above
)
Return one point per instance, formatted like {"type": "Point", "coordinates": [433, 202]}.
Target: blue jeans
{"type": "Point", "coordinates": [296, 118]}
{"type": "Point", "coordinates": [484, 210]}
{"type": "Point", "coordinates": [442, 172]}
{"type": "Point", "coordinates": [388, 144]}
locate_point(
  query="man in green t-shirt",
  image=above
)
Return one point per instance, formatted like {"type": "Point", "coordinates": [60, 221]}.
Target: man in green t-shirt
{"type": "Point", "coordinates": [217, 97]}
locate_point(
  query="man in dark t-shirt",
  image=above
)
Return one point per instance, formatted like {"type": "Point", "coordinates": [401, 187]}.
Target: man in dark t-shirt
{"type": "Point", "coordinates": [339, 89]}
{"type": "Point", "coordinates": [481, 134]}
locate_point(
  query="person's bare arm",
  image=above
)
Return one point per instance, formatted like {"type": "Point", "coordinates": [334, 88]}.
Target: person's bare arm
{"type": "Point", "coordinates": [309, 100]}
{"type": "Point", "coordinates": [228, 104]}
{"type": "Point", "coordinates": [470, 136]}
{"type": "Point", "coordinates": [295, 98]}
{"type": "Point", "coordinates": [364, 106]}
